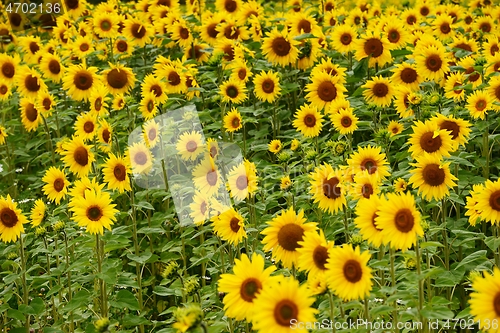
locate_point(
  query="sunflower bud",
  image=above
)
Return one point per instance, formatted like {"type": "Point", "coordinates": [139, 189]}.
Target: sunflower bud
{"type": "Point", "coordinates": [188, 318]}
{"type": "Point", "coordinates": [311, 154]}
{"type": "Point", "coordinates": [473, 275]}
{"type": "Point", "coordinates": [285, 182]}
{"type": "Point", "coordinates": [169, 269]}
{"type": "Point", "coordinates": [40, 231]}
{"type": "Point", "coordinates": [340, 148]}
{"type": "Point", "coordinates": [425, 225]}
{"type": "Point", "coordinates": [295, 144]}
{"type": "Point", "coordinates": [480, 61]}
{"type": "Point", "coordinates": [191, 285]}
{"type": "Point", "coordinates": [11, 256]}
{"type": "Point", "coordinates": [434, 98]}
{"type": "Point", "coordinates": [102, 325]}
{"type": "Point", "coordinates": [283, 157]}
{"type": "Point", "coordinates": [356, 239]}
{"type": "Point", "coordinates": [410, 264]}
{"type": "Point", "coordinates": [58, 226]}
{"type": "Point", "coordinates": [415, 98]}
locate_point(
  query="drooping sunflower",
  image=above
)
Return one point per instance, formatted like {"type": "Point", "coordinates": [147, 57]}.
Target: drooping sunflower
{"type": "Point", "coordinates": [432, 177]}
{"type": "Point", "coordinates": [9, 65]}
{"type": "Point", "coordinates": [115, 172]}
{"type": "Point", "coordinates": [137, 31]}
{"type": "Point", "coordinates": [479, 103]}
{"type": "Point", "coordinates": [140, 157]}
{"type": "Point", "coordinates": [457, 127]}
{"type": "Point", "coordinates": [285, 183]}
{"type": "Point", "coordinates": [488, 202]}
{"type": "Point", "coordinates": [78, 156]}
{"type": "Point", "coordinates": [314, 253]}
{"type": "Point", "coordinates": [79, 80]}
{"type": "Point", "coordinates": [242, 181]}
{"type": "Point", "coordinates": [406, 74]}
{"type": "Point", "coordinates": [30, 116]}
{"type": "Point", "coordinates": [345, 122]}
{"type": "Point", "coordinates": [399, 220]}
{"type": "Point", "coordinates": [207, 177]}
{"type": "Point", "coordinates": [29, 82]}
{"type": "Point", "coordinates": [379, 91]}
{"type": "Point", "coordinates": [324, 90]}
{"type": "Point", "coordinates": [371, 160]}
{"type": "Point", "coordinates": [308, 121]}
{"type": "Point", "coordinates": [118, 79]}
{"type": "Point", "coordinates": [233, 91]}
{"type": "Point", "coordinates": [485, 300]}
{"type": "Point", "coordinates": [344, 38]}
{"type": "Point", "coordinates": [95, 211]}
{"type": "Point", "coordinates": [38, 213]}
{"type": "Point", "coordinates": [243, 286]}
{"type": "Point", "coordinates": [281, 303]}
{"type": "Point", "coordinates": [327, 66]}
{"type": "Point", "coordinates": [99, 101]}
{"type": "Point", "coordinates": [283, 234]}
{"type": "Point", "coordinates": [374, 47]}
{"type": "Point", "coordinates": [279, 48]}
{"type": "Point", "coordinates": [395, 128]}
{"type": "Point", "coordinates": [349, 276]}
{"type": "Point", "coordinates": [275, 146]}
{"type": "Point", "coordinates": [432, 63]}
{"type": "Point", "coordinates": [400, 185]}
{"type": "Point", "coordinates": [81, 187]}
{"type": "Point", "coordinates": [56, 184]}
{"type": "Point", "coordinates": [190, 145]}
{"type": "Point", "coordinates": [233, 121]}
{"type": "Point", "coordinates": [230, 226]}
{"type": "Point", "coordinates": [428, 138]}
{"type": "Point", "coordinates": [11, 220]}
{"type": "Point", "coordinates": [86, 126]}
{"type": "Point", "coordinates": [327, 188]}
{"type": "Point", "coordinates": [366, 213]}
{"type": "Point", "coordinates": [267, 86]}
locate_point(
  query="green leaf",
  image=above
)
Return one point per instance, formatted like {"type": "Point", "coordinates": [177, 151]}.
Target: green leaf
{"type": "Point", "coordinates": [473, 259]}
{"type": "Point", "coordinates": [125, 300]}
{"type": "Point", "coordinates": [132, 320]}
{"type": "Point", "coordinates": [437, 313]}
{"type": "Point", "coordinates": [15, 314]}
{"type": "Point", "coordinates": [80, 299]}
{"type": "Point", "coordinates": [425, 245]}
{"type": "Point", "coordinates": [144, 205]}
{"type": "Point", "coordinates": [141, 259]}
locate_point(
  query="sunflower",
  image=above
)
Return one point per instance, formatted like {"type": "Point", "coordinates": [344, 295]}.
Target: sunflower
{"type": "Point", "coordinates": [137, 32]}
{"type": "Point", "coordinates": [140, 158]}
{"type": "Point", "coordinates": [95, 211]}
{"type": "Point", "coordinates": [104, 136]}
{"type": "Point", "coordinates": [308, 121]}
{"type": "Point", "coordinates": [3, 135]}
{"type": "Point", "coordinates": [295, 144]}
{"type": "Point", "coordinates": [395, 128]}
{"type": "Point", "coordinates": [366, 213]}
{"type": "Point", "coordinates": [400, 185]}
{"type": "Point", "coordinates": [314, 253]}
{"type": "Point", "coordinates": [493, 65]}
{"type": "Point", "coordinates": [181, 33]}
{"type": "Point", "coordinates": [5, 91]}
{"type": "Point", "coordinates": [485, 24]}
{"type": "Point", "coordinates": [200, 208]}
{"type": "Point", "coordinates": [285, 183]}
{"type": "Point", "coordinates": [396, 33]}
{"type": "Point", "coordinates": [229, 226]}
{"type": "Point", "coordinates": [38, 213]}
{"type": "Point", "coordinates": [78, 81]}
{"type": "Point", "coordinates": [349, 276]}
{"type": "Point", "coordinates": [228, 7]}
{"type": "Point", "coordinates": [371, 160]}
{"type": "Point", "coordinates": [74, 8]}
{"type": "Point", "coordinates": [86, 126]}
{"type": "Point", "coordinates": [233, 121]}
{"type": "Point", "coordinates": [148, 106]}
{"type": "Point", "coordinates": [443, 27]}
{"type": "Point", "coordinates": [51, 67]}
{"type": "Point", "coordinates": [122, 47]}
{"type": "Point", "coordinates": [118, 79]}
{"type": "Point", "coordinates": [275, 146]}
{"type": "Point", "coordinates": [458, 128]}
{"type": "Point", "coordinates": [233, 91]}
{"type": "Point", "coordinates": [463, 43]}
{"type": "Point", "coordinates": [81, 47]}
{"type": "Point", "coordinates": [267, 86]}
{"type": "Point", "coordinates": [452, 84]}
{"type": "Point", "coordinates": [116, 171]}
{"type": "Point", "coordinates": [491, 47]}
{"type": "Point", "coordinates": [378, 91]}
{"type": "Point", "coordinates": [374, 47]}
{"type": "Point", "coordinates": [399, 220]}
{"type": "Point", "coordinates": [207, 177]}
{"type": "Point", "coordinates": [324, 90]}
{"type": "Point", "coordinates": [472, 74]}
{"type": "Point", "coordinates": [432, 63]}
{"type": "Point", "coordinates": [81, 187]}
{"type": "Point", "coordinates": [242, 181]}
{"type": "Point", "coordinates": [197, 51]}
{"type": "Point", "coordinates": [31, 45]}
{"type": "Point", "coordinates": [428, 138]}
{"type": "Point", "coordinates": [9, 65]}
{"type": "Point", "coordinates": [175, 79]}
{"type": "Point", "coordinates": [472, 212]}
{"type": "Point", "coordinates": [282, 303]}
{"type": "Point", "coordinates": [156, 86]}
{"type": "Point", "coordinates": [488, 202]}
{"type": "Point", "coordinates": [151, 132]}
{"type": "Point", "coordinates": [30, 116]}
{"type": "Point", "coordinates": [29, 82]}
{"type": "Point", "coordinates": [406, 74]}
{"type": "Point", "coordinates": [106, 24]}
{"type": "Point", "coordinates": [208, 30]}
{"type": "Point", "coordinates": [479, 103]}
{"type": "Point", "coordinates": [244, 285]}
{"type": "Point", "coordinates": [45, 103]}
{"type": "Point", "coordinates": [327, 188]}
{"type": "Point", "coordinates": [328, 67]}
{"type": "Point", "coordinates": [78, 156]}
{"type": "Point", "coordinates": [485, 300]}
{"type": "Point", "coordinates": [190, 145]}
{"type": "Point", "coordinates": [11, 220]}
{"type": "Point", "coordinates": [56, 184]}
{"type": "Point", "coordinates": [344, 38]}
{"type": "Point", "coordinates": [345, 122]}
{"type": "Point", "coordinates": [279, 48]}
{"type": "Point", "coordinates": [365, 185]}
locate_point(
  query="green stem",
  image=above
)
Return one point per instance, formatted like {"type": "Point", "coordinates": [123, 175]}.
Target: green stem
{"type": "Point", "coordinates": [23, 279]}
{"type": "Point", "coordinates": [446, 249]}
{"type": "Point", "coordinates": [70, 295]}
{"type": "Point", "coordinates": [102, 284]}
{"type": "Point", "coordinates": [393, 284]}
{"type": "Point", "coordinates": [367, 309]}
{"type": "Point", "coordinates": [420, 284]}
{"type": "Point", "coordinates": [332, 310]}
{"type": "Point", "coordinates": [486, 151]}
{"type": "Point", "coordinates": [137, 252]}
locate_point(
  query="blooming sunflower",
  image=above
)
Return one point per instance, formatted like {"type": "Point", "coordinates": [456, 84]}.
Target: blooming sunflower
{"type": "Point", "coordinates": [479, 103]}
{"type": "Point", "coordinates": [279, 48]}
{"type": "Point", "coordinates": [232, 121]}
{"type": "Point", "coordinates": [233, 91]}
{"type": "Point", "coordinates": [283, 234]}
{"type": "Point", "coordinates": [190, 145]}
{"type": "Point", "coordinates": [56, 184]}
{"type": "Point", "coordinates": [327, 66]}
{"type": "Point", "coordinates": [295, 144]}
{"type": "Point", "coordinates": [327, 188]}
{"type": "Point", "coordinates": [308, 121]}
{"type": "Point", "coordinates": [366, 213]}
{"type": "Point", "coordinates": [485, 300]}
{"type": "Point", "coordinates": [406, 74]}
{"type": "Point", "coordinates": [137, 31]}
{"type": "Point", "coordinates": [200, 208]}
{"type": "Point", "coordinates": [395, 128]}
{"type": "Point", "coordinates": [30, 117]}
{"type": "Point", "coordinates": [432, 63]}
{"type": "Point", "coordinates": [243, 286]}
{"type": "Point", "coordinates": [228, 7]}
{"type": "Point", "coordinates": [106, 25]}
{"type": "Point", "coordinates": [324, 90]}
{"type": "Point", "coordinates": [285, 182]}
{"type": "Point", "coordinates": [443, 27]}
{"type": "Point", "coordinates": [94, 211]}
{"type": "Point", "coordinates": [78, 156]}
{"type": "Point", "coordinates": [29, 82]}
{"type": "Point", "coordinates": [344, 38]}
{"type": "Point", "coordinates": [349, 276]}
{"type": "Point", "coordinates": [8, 67]}
{"type": "Point", "coordinates": [458, 128]}
{"type": "Point", "coordinates": [399, 220]}
{"type": "Point", "coordinates": [230, 226]}
{"type": "Point", "coordinates": [432, 177]}
{"type": "Point", "coordinates": [156, 86]}
{"type": "Point", "coordinates": [51, 67]}
{"type": "Point", "coordinates": [452, 84]}
{"type": "Point", "coordinates": [86, 126]}
{"type": "Point", "coordinates": [281, 303]}
{"type": "Point", "coordinates": [378, 91]}
{"type": "Point", "coordinates": [44, 103]}
{"type": "Point", "coordinates": [3, 135]}
{"type": "Point", "coordinates": [104, 135]}
{"type": "Point", "coordinates": [140, 157]}
{"type": "Point", "coordinates": [206, 176]}
{"type": "Point", "coordinates": [267, 86]}
{"type": "Point", "coordinates": [116, 171]}
{"type": "Point", "coordinates": [472, 73]}
{"type": "Point", "coordinates": [400, 185]}
{"type": "Point", "coordinates": [242, 181]}
{"type": "Point", "coordinates": [396, 33]}
{"type": "Point", "coordinates": [344, 121]}
{"type": "Point", "coordinates": [374, 47]}
{"type": "Point", "coordinates": [5, 91]}
{"type": "Point", "coordinates": [151, 131]}
{"type": "Point", "coordinates": [371, 160]}
{"type": "Point", "coordinates": [428, 138]}
{"type": "Point", "coordinates": [148, 106]}
{"type": "Point", "coordinates": [79, 80]}
{"type": "Point", "coordinates": [314, 253]}
{"type": "Point", "coordinates": [11, 220]}
{"type": "Point", "coordinates": [488, 202]}
{"type": "Point", "coordinates": [38, 213]}
{"type": "Point", "coordinates": [275, 146]}
{"type": "Point", "coordinates": [118, 79]}
{"type": "Point", "coordinates": [365, 185]}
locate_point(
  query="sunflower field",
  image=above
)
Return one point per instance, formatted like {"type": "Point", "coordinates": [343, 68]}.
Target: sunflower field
{"type": "Point", "coordinates": [249, 166]}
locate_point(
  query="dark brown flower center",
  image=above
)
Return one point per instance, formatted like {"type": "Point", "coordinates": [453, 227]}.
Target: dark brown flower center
{"type": "Point", "coordinates": [3, 89]}
{"type": "Point", "coordinates": [320, 257]}
{"type": "Point", "coordinates": [485, 27]}
{"type": "Point", "coordinates": [242, 73]}
{"type": "Point", "coordinates": [235, 122]}
{"type": "Point", "coordinates": [464, 46]}
{"type": "Point", "coordinates": [496, 304]}
{"type": "Point", "coordinates": [408, 75]}
{"type": "Point", "coordinates": [191, 146]}
{"type": "Point", "coordinates": [472, 77]}
{"type": "Point", "coordinates": [106, 135]}
{"type": "Point", "coordinates": [433, 63]}
{"type": "Point", "coordinates": [346, 39]}
{"type": "Point", "coordinates": [140, 158]}
{"type": "Point", "coordinates": [452, 127]}
{"type": "Point", "coordinates": [289, 236]}
{"type": "Point", "coordinates": [352, 271]}
{"type": "Point", "coordinates": [152, 134]}
{"type": "Point", "coordinates": [268, 86]}
{"type": "Point", "coordinates": [433, 175]}
{"type": "Point", "coordinates": [173, 78]}
{"type": "Point", "coordinates": [72, 4]}
{"type": "Point", "coordinates": [429, 143]}
{"type": "Point", "coordinates": [31, 112]}
{"type": "Point", "coordinates": [346, 121]}
{"type": "Point", "coordinates": [54, 67]}
{"type": "Point", "coordinates": [31, 83]}
{"type": "Point", "coordinates": [105, 25]}
{"type": "Point", "coordinates": [374, 47]}
{"type": "Point", "coordinates": [212, 30]}
{"type": "Point", "coordinates": [327, 91]}
{"type": "Point", "coordinates": [404, 220]}
{"type": "Point", "coordinates": [119, 172]}
{"type": "Point", "coordinates": [84, 47]}
{"type": "Point", "coordinates": [58, 184]}
{"type": "Point", "coordinates": [411, 20]}
{"type": "Point", "coordinates": [231, 32]}
{"type": "Point", "coordinates": [424, 11]}
{"type": "Point", "coordinates": [304, 25]}
{"type": "Point", "coordinates": [380, 89]}
{"type": "Point", "coordinates": [150, 106]}
{"type": "Point", "coordinates": [495, 200]}
{"type": "Point", "coordinates": [8, 217]}
{"type": "Point", "coordinates": [229, 52]}
{"type": "Point", "coordinates": [281, 46]}
{"type": "Point", "coordinates": [374, 217]}
{"type": "Point", "coordinates": [369, 165]}
{"type": "Point", "coordinates": [445, 28]}
{"type": "Point", "coordinates": [481, 105]}
{"type": "Point", "coordinates": [249, 288]}
{"type": "Point", "coordinates": [393, 36]}
{"type": "Point", "coordinates": [184, 33]}
{"type": "Point", "coordinates": [8, 70]}
{"type": "Point", "coordinates": [83, 80]}
{"type": "Point", "coordinates": [47, 103]}
{"type": "Point", "coordinates": [331, 190]}
{"type": "Point", "coordinates": [138, 30]}
{"type": "Point", "coordinates": [242, 182]}
{"type": "Point", "coordinates": [230, 5]}
{"type": "Point", "coordinates": [367, 190]}
{"type": "Point", "coordinates": [122, 46]}
{"type": "Point", "coordinates": [285, 311]}
{"type": "Point", "coordinates": [310, 120]}
{"type": "Point", "coordinates": [81, 156]}
{"type": "Point", "coordinates": [88, 127]}
{"type": "Point", "coordinates": [94, 213]}
{"type": "Point", "coordinates": [117, 78]}
{"type": "Point", "coordinates": [234, 224]}
{"type": "Point", "coordinates": [212, 178]}
{"type": "Point", "coordinates": [232, 91]}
